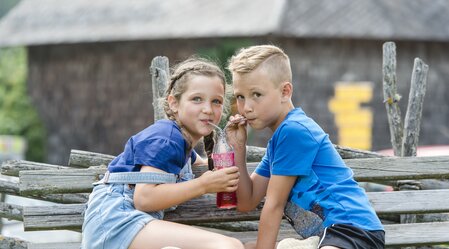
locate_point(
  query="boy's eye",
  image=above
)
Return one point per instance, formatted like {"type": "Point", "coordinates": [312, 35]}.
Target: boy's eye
{"type": "Point", "coordinates": [256, 94]}
{"type": "Point", "coordinates": [239, 97]}
{"type": "Point", "coordinates": [196, 99]}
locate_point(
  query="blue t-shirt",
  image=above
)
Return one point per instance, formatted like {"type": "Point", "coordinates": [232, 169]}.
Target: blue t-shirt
{"type": "Point", "coordinates": [325, 185]}
{"type": "Point", "coordinates": [160, 145]}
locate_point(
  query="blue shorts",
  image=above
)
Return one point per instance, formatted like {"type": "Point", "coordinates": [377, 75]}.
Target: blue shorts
{"type": "Point", "coordinates": [110, 220]}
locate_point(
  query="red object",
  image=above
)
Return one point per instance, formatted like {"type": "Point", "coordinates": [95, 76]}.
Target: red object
{"type": "Point", "coordinates": [222, 160]}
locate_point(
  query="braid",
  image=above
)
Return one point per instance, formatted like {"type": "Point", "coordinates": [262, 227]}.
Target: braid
{"type": "Point", "coordinates": [209, 147]}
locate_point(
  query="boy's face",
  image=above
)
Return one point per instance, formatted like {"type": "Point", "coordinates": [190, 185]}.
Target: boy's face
{"type": "Point", "coordinates": [259, 99]}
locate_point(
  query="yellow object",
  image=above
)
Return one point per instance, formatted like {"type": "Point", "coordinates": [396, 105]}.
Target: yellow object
{"type": "Point", "coordinates": [354, 122]}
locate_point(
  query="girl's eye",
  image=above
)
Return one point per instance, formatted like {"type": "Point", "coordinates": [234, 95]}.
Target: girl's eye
{"type": "Point", "coordinates": [217, 101]}
{"type": "Point", "coordinates": [257, 94]}
{"type": "Point", "coordinates": [196, 99]}
{"type": "Point", "coordinates": [239, 97]}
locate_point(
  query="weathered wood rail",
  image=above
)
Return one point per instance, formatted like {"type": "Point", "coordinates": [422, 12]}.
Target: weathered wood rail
{"type": "Point", "coordinates": [42, 181]}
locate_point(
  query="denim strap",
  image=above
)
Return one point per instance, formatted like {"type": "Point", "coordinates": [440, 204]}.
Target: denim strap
{"type": "Point", "coordinates": [138, 177]}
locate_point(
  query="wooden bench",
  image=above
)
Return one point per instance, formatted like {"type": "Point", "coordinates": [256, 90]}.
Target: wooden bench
{"type": "Point", "coordinates": [71, 184]}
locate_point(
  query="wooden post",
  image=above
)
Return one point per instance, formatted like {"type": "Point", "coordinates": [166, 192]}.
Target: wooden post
{"type": "Point", "coordinates": [404, 139]}
{"type": "Point", "coordinates": [391, 97]}
{"type": "Point", "coordinates": [414, 109]}
{"type": "Point", "coordinates": [160, 74]}
{"type": "Point", "coordinates": [412, 124]}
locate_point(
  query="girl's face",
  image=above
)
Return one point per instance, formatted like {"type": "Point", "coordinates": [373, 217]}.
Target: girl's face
{"type": "Point", "coordinates": [201, 103]}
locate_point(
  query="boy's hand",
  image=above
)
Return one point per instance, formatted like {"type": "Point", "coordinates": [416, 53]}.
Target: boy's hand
{"type": "Point", "coordinates": [236, 131]}
{"type": "Point", "coordinates": [222, 180]}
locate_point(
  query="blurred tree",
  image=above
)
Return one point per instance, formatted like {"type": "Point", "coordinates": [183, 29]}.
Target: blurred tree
{"type": "Point", "coordinates": [17, 115]}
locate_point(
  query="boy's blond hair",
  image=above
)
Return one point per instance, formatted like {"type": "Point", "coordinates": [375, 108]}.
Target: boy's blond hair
{"type": "Point", "coordinates": [271, 58]}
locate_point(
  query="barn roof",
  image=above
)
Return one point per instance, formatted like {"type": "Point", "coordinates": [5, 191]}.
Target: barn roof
{"type": "Point", "coordinates": [38, 22]}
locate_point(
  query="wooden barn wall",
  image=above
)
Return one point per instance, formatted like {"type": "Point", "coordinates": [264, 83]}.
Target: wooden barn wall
{"type": "Point", "coordinates": [94, 96]}
{"type": "Point", "coordinates": [319, 64]}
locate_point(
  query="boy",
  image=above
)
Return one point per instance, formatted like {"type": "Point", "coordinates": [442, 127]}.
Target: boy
{"type": "Point", "coordinates": [301, 173]}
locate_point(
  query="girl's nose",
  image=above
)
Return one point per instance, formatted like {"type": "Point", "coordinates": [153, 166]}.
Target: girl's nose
{"type": "Point", "coordinates": [207, 108]}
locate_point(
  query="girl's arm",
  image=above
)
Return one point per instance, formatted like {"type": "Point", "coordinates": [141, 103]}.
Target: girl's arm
{"type": "Point", "coordinates": [199, 161]}
{"type": "Point", "coordinates": [270, 219]}
{"type": "Point", "coordinates": [154, 197]}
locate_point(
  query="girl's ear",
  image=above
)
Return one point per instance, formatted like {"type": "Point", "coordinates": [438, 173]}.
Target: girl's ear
{"type": "Point", "coordinates": [286, 91]}
{"type": "Point", "coordinates": [172, 103]}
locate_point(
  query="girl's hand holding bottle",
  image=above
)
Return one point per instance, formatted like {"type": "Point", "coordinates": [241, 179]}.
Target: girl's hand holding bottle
{"type": "Point", "coordinates": [223, 180]}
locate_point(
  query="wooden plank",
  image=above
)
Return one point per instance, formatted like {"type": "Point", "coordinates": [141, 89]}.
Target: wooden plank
{"type": "Point", "coordinates": [203, 210]}
{"type": "Point", "coordinates": [80, 158]}
{"type": "Point", "coordinates": [13, 167]}
{"type": "Point", "coordinates": [58, 217]}
{"type": "Point", "coordinates": [435, 233]}
{"type": "Point", "coordinates": [58, 245]}
{"type": "Point", "coordinates": [395, 235]}
{"type": "Point", "coordinates": [416, 202]}
{"type": "Point", "coordinates": [9, 185]}
{"type": "Point", "coordinates": [11, 211]}
{"type": "Point", "coordinates": [68, 216]}
{"type": "Point", "coordinates": [58, 181]}
{"type": "Point", "coordinates": [370, 169]}
{"type": "Point", "coordinates": [396, 168]}
{"type": "Point", "coordinates": [12, 243]}
{"type": "Point", "coordinates": [416, 234]}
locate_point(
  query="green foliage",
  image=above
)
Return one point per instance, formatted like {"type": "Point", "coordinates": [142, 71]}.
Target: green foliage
{"type": "Point", "coordinates": [17, 115]}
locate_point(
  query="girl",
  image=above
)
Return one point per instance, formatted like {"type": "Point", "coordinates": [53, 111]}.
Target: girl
{"type": "Point", "coordinates": [125, 209]}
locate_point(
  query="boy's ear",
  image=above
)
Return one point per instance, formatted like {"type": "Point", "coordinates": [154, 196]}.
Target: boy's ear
{"type": "Point", "coordinates": [172, 103]}
{"type": "Point", "coordinates": [287, 91]}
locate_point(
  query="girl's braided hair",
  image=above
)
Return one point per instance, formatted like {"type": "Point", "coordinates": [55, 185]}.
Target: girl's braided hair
{"type": "Point", "coordinates": [177, 85]}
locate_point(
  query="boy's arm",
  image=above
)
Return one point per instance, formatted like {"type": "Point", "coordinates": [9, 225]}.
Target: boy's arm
{"type": "Point", "coordinates": [251, 189]}
{"type": "Point", "coordinates": [270, 219]}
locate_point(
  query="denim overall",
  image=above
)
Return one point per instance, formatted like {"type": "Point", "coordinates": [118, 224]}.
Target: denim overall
{"type": "Point", "coordinates": [110, 219]}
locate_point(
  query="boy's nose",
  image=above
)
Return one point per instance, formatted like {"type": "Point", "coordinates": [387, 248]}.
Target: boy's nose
{"type": "Point", "coordinates": [247, 107]}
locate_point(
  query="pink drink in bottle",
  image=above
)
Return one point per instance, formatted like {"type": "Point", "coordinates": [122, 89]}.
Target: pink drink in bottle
{"type": "Point", "coordinates": [223, 156]}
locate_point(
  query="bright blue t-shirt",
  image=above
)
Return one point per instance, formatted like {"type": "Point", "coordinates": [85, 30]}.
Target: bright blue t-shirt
{"type": "Point", "coordinates": [160, 145]}
{"type": "Point", "coordinates": [325, 185]}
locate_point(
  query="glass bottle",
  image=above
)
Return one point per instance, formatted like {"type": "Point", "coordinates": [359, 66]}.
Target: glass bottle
{"type": "Point", "coordinates": [223, 156]}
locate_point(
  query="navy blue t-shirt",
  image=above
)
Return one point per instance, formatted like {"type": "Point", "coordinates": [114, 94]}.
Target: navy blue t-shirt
{"type": "Point", "coordinates": [160, 145]}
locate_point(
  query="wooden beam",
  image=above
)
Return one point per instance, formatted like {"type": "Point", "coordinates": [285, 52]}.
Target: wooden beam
{"type": "Point", "coordinates": [85, 159]}
{"type": "Point", "coordinates": [36, 183]}
{"type": "Point", "coordinates": [13, 167]}
{"type": "Point", "coordinates": [203, 210]}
